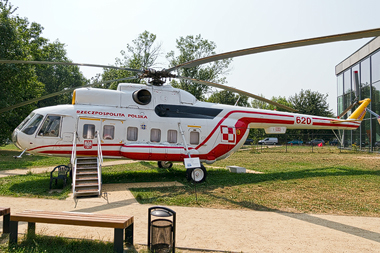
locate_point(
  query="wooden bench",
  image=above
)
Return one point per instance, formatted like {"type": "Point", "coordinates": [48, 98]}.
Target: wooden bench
{"type": "Point", "coordinates": [6, 213]}
{"type": "Point", "coordinates": [121, 224]}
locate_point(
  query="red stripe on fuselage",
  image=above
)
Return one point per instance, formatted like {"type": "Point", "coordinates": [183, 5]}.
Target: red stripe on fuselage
{"type": "Point", "coordinates": [250, 120]}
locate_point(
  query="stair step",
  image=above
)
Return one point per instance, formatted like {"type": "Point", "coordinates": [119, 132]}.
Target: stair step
{"type": "Point", "coordinates": [87, 172]}
{"type": "Point", "coordinates": [87, 164]}
{"type": "Point", "coordinates": [87, 168]}
{"type": "Point", "coordinates": [86, 191]}
{"type": "Point", "coordinates": [87, 185]}
{"type": "Point", "coordinates": [87, 178]}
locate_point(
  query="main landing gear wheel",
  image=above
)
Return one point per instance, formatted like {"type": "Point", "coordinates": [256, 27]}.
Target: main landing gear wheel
{"type": "Point", "coordinates": [164, 164]}
{"type": "Point", "coordinates": [196, 175]}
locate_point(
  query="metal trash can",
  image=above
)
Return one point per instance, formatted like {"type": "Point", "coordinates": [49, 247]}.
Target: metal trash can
{"type": "Point", "coordinates": [161, 230]}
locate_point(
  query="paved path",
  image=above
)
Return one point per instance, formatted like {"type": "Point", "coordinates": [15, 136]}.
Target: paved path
{"type": "Point", "coordinates": [217, 229]}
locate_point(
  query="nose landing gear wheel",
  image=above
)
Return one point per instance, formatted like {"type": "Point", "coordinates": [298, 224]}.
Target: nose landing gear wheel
{"type": "Point", "coordinates": [196, 175]}
{"type": "Point", "coordinates": [164, 164]}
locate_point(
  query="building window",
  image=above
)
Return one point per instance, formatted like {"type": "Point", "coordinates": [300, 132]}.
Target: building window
{"type": "Point", "coordinates": [132, 133]}
{"type": "Point", "coordinates": [194, 138]}
{"type": "Point", "coordinates": [108, 132]}
{"type": "Point", "coordinates": [365, 80]}
{"type": "Point", "coordinates": [88, 131]}
{"type": "Point", "coordinates": [155, 135]}
{"type": "Point", "coordinates": [340, 85]}
{"type": "Point", "coordinates": [172, 136]}
{"type": "Point", "coordinates": [347, 81]}
{"type": "Point", "coordinates": [375, 62]}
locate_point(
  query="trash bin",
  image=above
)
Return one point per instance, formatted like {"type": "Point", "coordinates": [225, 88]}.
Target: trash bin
{"type": "Point", "coordinates": [161, 229]}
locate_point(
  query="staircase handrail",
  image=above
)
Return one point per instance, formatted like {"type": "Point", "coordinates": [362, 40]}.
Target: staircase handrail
{"type": "Point", "coordinates": [73, 161]}
{"type": "Point", "coordinates": [100, 153]}
{"type": "Point", "coordinates": [100, 162]}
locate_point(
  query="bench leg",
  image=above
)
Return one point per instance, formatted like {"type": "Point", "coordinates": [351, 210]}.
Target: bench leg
{"type": "Point", "coordinates": [13, 232]}
{"type": "Point", "coordinates": [6, 221]}
{"type": "Point", "coordinates": [31, 229]}
{"type": "Point", "coordinates": [129, 234]}
{"type": "Point", "coordinates": [118, 244]}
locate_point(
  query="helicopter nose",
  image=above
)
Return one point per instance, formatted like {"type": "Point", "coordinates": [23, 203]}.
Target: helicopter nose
{"type": "Point", "coordinates": [14, 138]}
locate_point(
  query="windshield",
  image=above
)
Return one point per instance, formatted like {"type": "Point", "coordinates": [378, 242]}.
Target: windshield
{"type": "Point", "coordinates": [50, 126]}
{"type": "Point", "coordinates": [23, 123]}
{"type": "Point", "coordinates": [33, 124]}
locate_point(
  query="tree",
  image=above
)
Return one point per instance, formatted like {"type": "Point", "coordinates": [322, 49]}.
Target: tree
{"type": "Point", "coordinates": [142, 54]}
{"type": "Point", "coordinates": [191, 48]}
{"type": "Point", "coordinates": [263, 105]}
{"type": "Point", "coordinates": [228, 98]}
{"type": "Point", "coordinates": [21, 40]}
{"type": "Point", "coordinates": [18, 83]}
{"type": "Point", "coordinates": [56, 78]}
{"type": "Point", "coordinates": [311, 103]}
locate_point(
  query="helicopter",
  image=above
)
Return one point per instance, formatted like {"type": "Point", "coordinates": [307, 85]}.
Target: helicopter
{"type": "Point", "coordinates": [158, 122]}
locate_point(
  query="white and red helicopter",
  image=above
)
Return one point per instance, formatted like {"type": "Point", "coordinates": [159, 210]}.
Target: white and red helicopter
{"type": "Point", "coordinates": [157, 122]}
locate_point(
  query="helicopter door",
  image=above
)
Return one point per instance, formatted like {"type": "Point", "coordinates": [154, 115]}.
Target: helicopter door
{"type": "Point", "coordinates": [87, 139]}
{"type": "Point", "coordinates": [111, 136]}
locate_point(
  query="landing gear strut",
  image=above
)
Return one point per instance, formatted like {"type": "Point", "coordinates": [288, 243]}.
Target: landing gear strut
{"type": "Point", "coordinates": [196, 175]}
{"type": "Point", "coordinates": [164, 164]}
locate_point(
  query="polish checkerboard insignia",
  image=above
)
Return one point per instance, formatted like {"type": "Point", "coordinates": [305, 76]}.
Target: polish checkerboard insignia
{"type": "Point", "coordinates": [228, 134]}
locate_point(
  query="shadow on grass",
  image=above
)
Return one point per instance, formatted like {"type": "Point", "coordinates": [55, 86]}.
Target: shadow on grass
{"type": "Point", "coordinates": [219, 179]}
{"type": "Point", "coordinates": [222, 177]}
{"type": "Point", "coordinates": [151, 174]}
{"type": "Point", "coordinates": [8, 162]}
{"type": "Point", "coordinates": [41, 243]}
{"type": "Point", "coordinates": [34, 185]}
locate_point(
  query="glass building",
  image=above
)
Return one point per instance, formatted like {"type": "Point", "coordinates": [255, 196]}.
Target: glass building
{"type": "Point", "coordinates": [366, 61]}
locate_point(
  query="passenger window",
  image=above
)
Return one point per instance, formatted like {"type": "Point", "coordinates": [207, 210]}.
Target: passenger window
{"type": "Point", "coordinates": [33, 124]}
{"type": "Point", "coordinates": [194, 138]}
{"type": "Point", "coordinates": [132, 133]}
{"type": "Point", "coordinates": [88, 131]}
{"type": "Point", "coordinates": [51, 126]}
{"type": "Point", "coordinates": [108, 132]}
{"type": "Point", "coordinates": [172, 136]}
{"type": "Point", "coordinates": [155, 135]}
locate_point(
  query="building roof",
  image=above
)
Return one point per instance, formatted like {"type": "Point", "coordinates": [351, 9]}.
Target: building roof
{"type": "Point", "coordinates": [358, 55]}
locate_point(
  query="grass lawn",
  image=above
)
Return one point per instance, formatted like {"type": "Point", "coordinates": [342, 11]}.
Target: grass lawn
{"type": "Point", "coordinates": [8, 162]}
{"type": "Point", "coordinates": [323, 181]}
{"type": "Point", "coordinates": [47, 244]}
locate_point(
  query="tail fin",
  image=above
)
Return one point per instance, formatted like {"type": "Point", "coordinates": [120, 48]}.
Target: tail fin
{"type": "Point", "coordinates": [359, 113]}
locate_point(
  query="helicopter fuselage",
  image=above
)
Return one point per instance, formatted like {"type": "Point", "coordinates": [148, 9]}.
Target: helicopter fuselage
{"type": "Point", "coordinates": [158, 123]}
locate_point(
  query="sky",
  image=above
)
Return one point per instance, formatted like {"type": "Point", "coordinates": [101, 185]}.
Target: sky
{"type": "Point", "coordinates": [96, 31]}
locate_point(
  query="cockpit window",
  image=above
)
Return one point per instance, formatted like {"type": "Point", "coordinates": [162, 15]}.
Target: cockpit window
{"type": "Point", "coordinates": [33, 124]}
{"type": "Point", "coordinates": [23, 123]}
{"type": "Point", "coordinates": [51, 126]}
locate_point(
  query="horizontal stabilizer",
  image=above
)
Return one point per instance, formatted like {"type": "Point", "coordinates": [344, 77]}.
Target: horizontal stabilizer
{"type": "Point", "coordinates": [339, 121]}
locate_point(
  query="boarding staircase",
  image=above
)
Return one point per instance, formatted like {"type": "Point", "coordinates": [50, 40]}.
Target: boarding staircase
{"type": "Point", "coordinates": [87, 172]}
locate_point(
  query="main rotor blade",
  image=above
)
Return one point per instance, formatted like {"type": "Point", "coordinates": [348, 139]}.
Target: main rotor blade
{"type": "Point", "coordinates": [69, 63]}
{"type": "Point", "coordinates": [239, 92]}
{"type": "Point", "coordinates": [278, 46]}
{"type": "Point", "coordinates": [5, 109]}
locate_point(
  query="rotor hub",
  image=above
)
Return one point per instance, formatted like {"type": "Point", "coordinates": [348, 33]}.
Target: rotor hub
{"type": "Point", "coordinates": [157, 77]}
